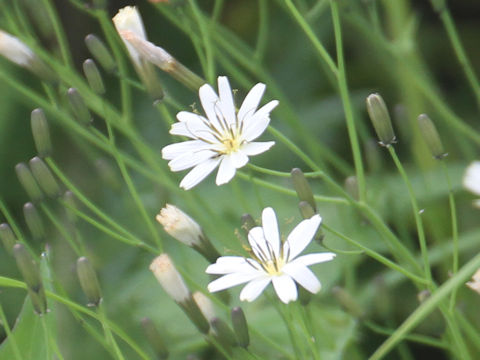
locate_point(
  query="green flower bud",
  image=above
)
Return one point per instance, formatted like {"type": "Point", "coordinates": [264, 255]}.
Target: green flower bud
{"type": "Point", "coordinates": [240, 327]}
{"type": "Point", "coordinates": [88, 281]}
{"type": "Point", "coordinates": [69, 202]}
{"type": "Point", "coordinates": [430, 134]}
{"type": "Point", "coordinates": [351, 186]}
{"type": "Point", "coordinates": [8, 238]}
{"type": "Point", "coordinates": [31, 275]}
{"type": "Point", "coordinates": [302, 187]}
{"type": "Point", "coordinates": [80, 110]}
{"type": "Point", "coordinates": [223, 332]}
{"type": "Point", "coordinates": [28, 182]}
{"type": "Point", "coordinates": [380, 119]}
{"type": "Point", "coordinates": [100, 52]}
{"type": "Point", "coordinates": [41, 133]}
{"type": "Point", "coordinates": [34, 221]}
{"type": "Point", "coordinates": [44, 177]}
{"type": "Point", "coordinates": [93, 76]}
{"type": "Point", "coordinates": [156, 340]}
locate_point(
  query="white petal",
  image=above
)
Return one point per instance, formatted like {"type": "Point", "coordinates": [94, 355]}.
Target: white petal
{"type": "Point", "coordinates": [301, 236]}
{"type": "Point", "coordinates": [250, 104]}
{"type": "Point", "coordinates": [254, 288]}
{"type": "Point", "coordinates": [471, 179]}
{"type": "Point", "coordinates": [270, 229]}
{"type": "Point", "coordinates": [285, 288]}
{"type": "Point", "coordinates": [304, 276]}
{"type": "Point", "coordinates": [230, 264]}
{"type": "Point", "coordinates": [210, 102]}
{"type": "Point", "coordinates": [316, 258]}
{"type": "Point", "coordinates": [184, 116]}
{"type": "Point", "coordinates": [230, 280]}
{"type": "Point", "coordinates": [255, 148]}
{"type": "Point", "coordinates": [226, 100]}
{"type": "Point", "coordinates": [254, 126]}
{"type": "Point", "coordinates": [194, 128]}
{"type": "Point", "coordinates": [190, 159]}
{"type": "Point", "coordinates": [226, 170]}
{"type": "Point", "coordinates": [198, 173]}
{"type": "Point", "coordinates": [172, 151]}
{"type": "Point", "coordinates": [258, 243]}
{"type": "Point", "coordinates": [239, 159]}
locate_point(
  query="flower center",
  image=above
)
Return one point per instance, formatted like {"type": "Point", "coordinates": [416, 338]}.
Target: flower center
{"type": "Point", "coordinates": [231, 144]}
{"type": "Point", "coordinates": [274, 267]}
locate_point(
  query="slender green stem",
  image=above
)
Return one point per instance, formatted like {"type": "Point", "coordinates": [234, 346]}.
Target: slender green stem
{"type": "Point", "coordinates": [46, 334]}
{"type": "Point", "coordinates": [262, 33]}
{"type": "Point", "coordinates": [307, 330]}
{"type": "Point", "coordinates": [10, 335]}
{"type": "Point", "coordinates": [465, 63]}
{"type": "Point", "coordinates": [416, 213]}
{"type": "Point", "coordinates": [108, 333]}
{"type": "Point", "coordinates": [343, 88]}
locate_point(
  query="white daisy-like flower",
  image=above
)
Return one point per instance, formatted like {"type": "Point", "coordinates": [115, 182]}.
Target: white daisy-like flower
{"type": "Point", "coordinates": [272, 261]}
{"type": "Point", "coordinates": [223, 138]}
{"type": "Point", "coordinates": [471, 180]}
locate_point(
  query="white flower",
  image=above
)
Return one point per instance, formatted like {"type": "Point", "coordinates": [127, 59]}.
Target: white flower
{"type": "Point", "coordinates": [223, 138]}
{"type": "Point", "coordinates": [128, 19]}
{"type": "Point", "coordinates": [471, 180]}
{"type": "Point", "coordinates": [272, 261]}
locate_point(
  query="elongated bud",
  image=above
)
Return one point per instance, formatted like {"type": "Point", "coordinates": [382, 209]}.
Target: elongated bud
{"type": "Point", "coordinates": [41, 133]}
{"type": "Point", "coordinates": [240, 327]}
{"type": "Point", "coordinates": [89, 281]}
{"type": "Point", "coordinates": [307, 212]}
{"type": "Point", "coordinates": [205, 305]}
{"type": "Point", "coordinates": [31, 275]}
{"type": "Point", "coordinates": [380, 119]}
{"type": "Point", "coordinates": [44, 177]}
{"type": "Point", "coordinates": [34, 221]}
{"type": "Point", "coordinates": [186, 230]}
{"type": "Point", "coordinates": [80, 110]}
{"type": "Point", "coordinates": [471, 179]}
{"type": "Point", "coordinates": [162, 59]}
{"type": "Point", "coordinates": [28, 182]}
{"type": "Point", "coordinates": [223, 332]}
{"type": "Point", "coordinates": [69, 202]}
{"type": "Point", "coordinates": [351, 186]}
{"type": "Point", "coordinates": [347, 301]}
{"type": "Point", "coordinates": [302, 187]}
{"type": "Point", "coordinates": [155, 338]}
{"type": "Point", "coordinates": [8, 238]}
{"type": "Point", "coordinates": [430, 134]}
{"type": "Point", "coordinates": [20, 54]}
{"type": "Point", "coordinates": [100, 52]}
{"type": "Point", "coordinates": [173, 284]}
{"type": "Point", "coordinates": [93, 76]}
{"type": "Point", "coordinates": [128, 19]}
{"type": "Point", "coordinates": [248, 223]}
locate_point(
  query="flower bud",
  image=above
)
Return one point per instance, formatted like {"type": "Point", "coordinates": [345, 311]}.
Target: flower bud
{"type": "Point", "coordinates": [80, 110]}
{"type": "Point", "coordinates": [205, 305]}
{"type": "Point", "coordinates": [302, 187]}
{"type": "Point", "coordinates": [41, 133]}
{"type": "Point", "coordinates": [17, 52]}
{"type": "Point", "coordinates": [8, 238]}
{"type": "Point", "coordinates": [471, 179]}
{"type": "Point", "coordinates": [156, 340]}
{"type": "Point", "coordinates": [475, 283]}
{"type": "Point", "coordinates": [380, 119]}
{"type": "Point", "coordinates": [162, 59]}
{"type": "Point", "coordinates": [100, 52]}
{"type": "Point", "coordinates": [173, 284]}
{"type": "Point", "coordinates": [248, 223]}
{"type": "Point", "coordinates": [430, 134]}
{"type": "Point", "coordinates": [31, 275]}
{"type": "Point", "coordinates": [89, 281]}
{"type": "Point", "coordinates": [240, 327]}
{"type": "Point", "coordinates": [69, 202]}
{"type": "Point", "coordinates": [128, 19]}
{"type": "Point", "coordinates": [347, 302]}
{"type": "Point", "coordinates": [223, 332]}
{"type": "Point", "coordinates": [351, 186]}
{"type": "Point", "coordinates": [184, 229]}
{"type": "Point", "coordinates": [93, 76]}
{"type": "Point", "coordinates": [28, 182]}
{"type": "Point", "coordinates": [34, 221]}
{"type": "Point", "coordinates": [44, 177]}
